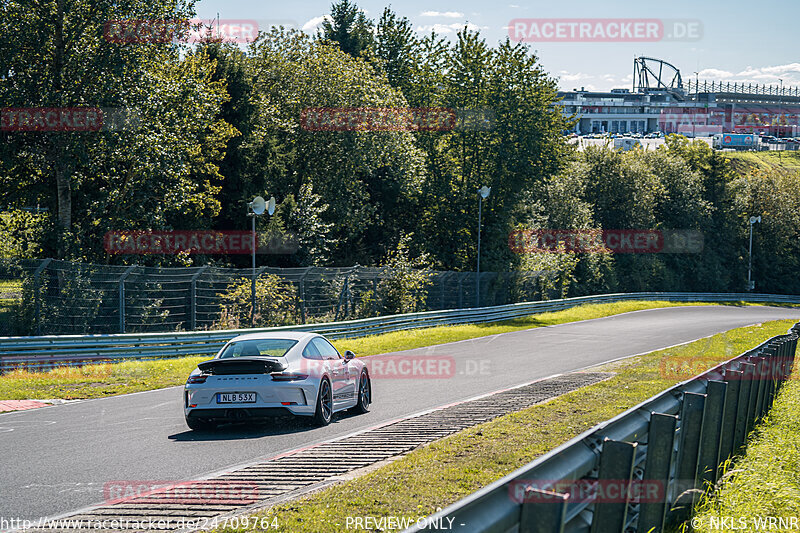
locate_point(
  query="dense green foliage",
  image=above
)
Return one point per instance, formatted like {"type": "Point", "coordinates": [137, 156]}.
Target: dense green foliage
{"type": "Point", "coordinates": [219, 123]}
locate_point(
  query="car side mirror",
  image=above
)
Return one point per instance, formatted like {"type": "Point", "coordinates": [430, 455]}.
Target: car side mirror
{"type": "Point", "coordinates": [348, 355]}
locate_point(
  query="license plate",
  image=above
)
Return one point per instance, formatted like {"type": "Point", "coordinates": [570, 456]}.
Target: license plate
{"type": "Point", "coordinates": [236, 397]}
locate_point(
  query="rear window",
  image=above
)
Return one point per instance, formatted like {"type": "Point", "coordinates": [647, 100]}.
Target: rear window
{"type": "Point", "coordinates": [258, 348]}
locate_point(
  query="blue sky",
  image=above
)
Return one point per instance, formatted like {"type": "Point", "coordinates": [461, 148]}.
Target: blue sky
{"type": "Point", "coordinates": [752, 42]}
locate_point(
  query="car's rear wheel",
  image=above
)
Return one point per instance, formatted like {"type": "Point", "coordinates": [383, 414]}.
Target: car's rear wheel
{"type": "Point", "coordinates": [324, 412]}
{"type": "Point", "coordinates": [364, 394]}
{"type": "Point", "coordinates": [198, 424]}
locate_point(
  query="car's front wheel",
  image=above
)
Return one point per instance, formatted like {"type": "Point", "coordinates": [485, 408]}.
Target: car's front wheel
{"type": "Point", "coordinates": [364, 394]}
{"type": "Point", "coordinates": [324, 412]}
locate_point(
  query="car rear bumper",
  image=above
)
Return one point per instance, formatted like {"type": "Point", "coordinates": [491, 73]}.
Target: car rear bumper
{"type": "Point", "coordinates": [238, 414]}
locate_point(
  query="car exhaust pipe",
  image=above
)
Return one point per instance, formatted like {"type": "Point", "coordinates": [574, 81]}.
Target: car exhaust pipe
{"type": "Point", "coordinates": [237, 414]}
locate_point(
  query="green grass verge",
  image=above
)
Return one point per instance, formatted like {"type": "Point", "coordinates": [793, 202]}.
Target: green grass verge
{"type": "Point", "coordinates": [436, 475]}
{"type": "Point", "coordinates": [785, 159]}
{"type": "Point", "coordinates": [763, 486]}
{"type": "Point", "coordinates": [10, 285]}
{"type": "Point", "coordinates": [9, 300]}
{"type": "Point", "coordinates": [97, 381]}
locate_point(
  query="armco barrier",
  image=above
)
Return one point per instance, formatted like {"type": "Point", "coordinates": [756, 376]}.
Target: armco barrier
{"type": "Point", "coordinates": [672, 443]}
{"type": "Point", "coordinates": [57, 350]}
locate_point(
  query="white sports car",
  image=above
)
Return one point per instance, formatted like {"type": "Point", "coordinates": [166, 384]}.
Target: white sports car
{"type": "Point", "coordinates": [263, 375]}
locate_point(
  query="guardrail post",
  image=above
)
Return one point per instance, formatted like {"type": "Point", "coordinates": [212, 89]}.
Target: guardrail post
{"type": "Point", "coordinates": [760, 383]}
{"type": "Point", "coordinates": [691, 424]}
{"type": "Point", "coordinates": [122, 297]}
{"type": "Point", "coordinates": [726, 445]}
{"type": "Point", "coordinates": [770, 367]}
{"type": "Point", "coordinates": [543, 511]}
{"type": "Point", "coordinates": [616, 465]}
{"type": "Point", "coordinates": [787, 364]}
{"type": "Point", "coordinates": [193, 298]}
{"type": "Point", "coordinates": [36, 293]}
{"type": "Point", "coordinates": [660, 443]}
{"type": "Point", "coordinates": [746, 399]}
{"type": "Point", "coordinates": [708, 453]}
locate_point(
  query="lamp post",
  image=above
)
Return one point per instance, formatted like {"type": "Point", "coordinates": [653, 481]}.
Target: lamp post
{"type": "Point", "coordinates": [483, 193]}
{"type": "Point", "coordinates": [256, 208]}
{"type": "Point", "coordinates": [696, 102]}
{"type": "Point", "coordinates": [750, 283]}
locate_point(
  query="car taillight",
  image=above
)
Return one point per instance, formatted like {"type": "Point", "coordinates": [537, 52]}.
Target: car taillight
{"type": "Point", "coordinates": [288, 376]}
{"type": "Point", "coordinates": [196, 379]}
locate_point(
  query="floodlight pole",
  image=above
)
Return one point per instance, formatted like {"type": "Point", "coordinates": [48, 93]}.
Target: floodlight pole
{"type": "Point", "coordinates": [253, 243]}
{"type": "Point", "coordinates": [257, 207]}
{"type": "Point", "coordinates": [483, 192]}
{"type": "Point", "coordinates": [478, 266]}
{"type": "Point", "coordinates": [253, 215]}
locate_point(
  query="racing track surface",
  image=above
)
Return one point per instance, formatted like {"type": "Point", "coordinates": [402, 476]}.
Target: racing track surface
{"type": "Point", "coordinates": [57, 459]}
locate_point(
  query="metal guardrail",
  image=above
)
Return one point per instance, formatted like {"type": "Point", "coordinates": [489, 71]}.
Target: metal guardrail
{"type": "Point", "coordinates": [43, 352]}
{"type": "Point", "coordinates": [655, 455]}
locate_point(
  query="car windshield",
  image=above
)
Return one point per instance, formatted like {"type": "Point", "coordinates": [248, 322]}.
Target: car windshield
{"type": "Point", "coordinates": [258, 348]}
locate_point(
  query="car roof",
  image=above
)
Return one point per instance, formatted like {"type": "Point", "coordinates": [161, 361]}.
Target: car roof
{"type": "Point", "coordinates": [292, 335]}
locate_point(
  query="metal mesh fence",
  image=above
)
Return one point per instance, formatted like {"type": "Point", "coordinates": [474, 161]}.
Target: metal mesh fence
{"type": "Point", "coordinates": [51, 297]}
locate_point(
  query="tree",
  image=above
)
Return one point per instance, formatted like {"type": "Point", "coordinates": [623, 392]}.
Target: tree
{"type": "Point", "coordinates": [397, 46]}
{"type": "Point", "coordinates": [155, 171]}
{"type": "Point", "coordinates": [365, 178]}
{"type": "Point", "coordinates": [512, 146]}
{"type": "Point", "coordinates": [75, 65]}
{"type": "Point", "coordinates": [349, 28]}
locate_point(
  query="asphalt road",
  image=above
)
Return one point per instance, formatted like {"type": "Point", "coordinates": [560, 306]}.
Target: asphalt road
{"type": "Point", "coordinates": [58, 459]}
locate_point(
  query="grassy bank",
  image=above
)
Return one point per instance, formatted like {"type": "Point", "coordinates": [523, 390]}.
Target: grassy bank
{"type": "Point", "coordinates": [97, 381]}
{"type": "Point", "coordinates": [451, 468]}
{"type": "Point", "coordinates": [786, 159]}
{"type": "Point", "coordinates": [763, 486]}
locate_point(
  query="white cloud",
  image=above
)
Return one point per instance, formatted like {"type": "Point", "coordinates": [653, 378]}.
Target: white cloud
{"type": "Point", "coordinates": [782, 69]}
{"type": "Point", "coordinates": [714, 73]}
{"type": "Point", "coordinates": [770, 75]}
{"type": "Point", "coordinates": [749, 71]}
{"type": "Point", "coordinates": [445, 14]}
{"type": "Point", "coordinates": [572, 77]}
{"type": "Point", "coordinates": [449, 28]}
{"type": "Point", "coordinates": [314, 23]}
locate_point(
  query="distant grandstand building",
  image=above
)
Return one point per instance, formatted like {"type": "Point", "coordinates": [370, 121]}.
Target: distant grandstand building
{"type": "Point", "coordinates": [659, 101]}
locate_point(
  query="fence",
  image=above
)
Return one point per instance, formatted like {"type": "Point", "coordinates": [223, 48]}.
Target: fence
{"type": "Point", "coordinates": [674, 442]}
{"type": "Point", "coordinates": [50, 297]}
{"type": "Point", "coordinates": [41, 352]}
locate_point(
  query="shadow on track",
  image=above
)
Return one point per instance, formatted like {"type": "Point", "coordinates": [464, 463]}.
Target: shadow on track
{"type": "Point", "coordinates": [252, 429]}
